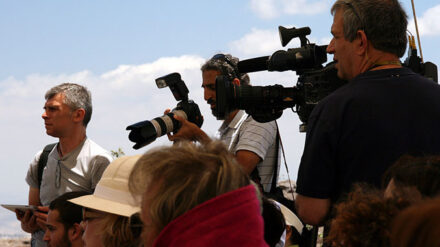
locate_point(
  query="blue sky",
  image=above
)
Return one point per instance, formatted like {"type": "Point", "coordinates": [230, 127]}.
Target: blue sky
{"type": "Point", "coordinates": [118, 48]}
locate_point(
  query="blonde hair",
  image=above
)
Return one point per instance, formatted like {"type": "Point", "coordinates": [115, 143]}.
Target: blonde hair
{"type": "Point", "coordinates": [116, 232]}
{"type": "Point", "coordinates": [184, 176]}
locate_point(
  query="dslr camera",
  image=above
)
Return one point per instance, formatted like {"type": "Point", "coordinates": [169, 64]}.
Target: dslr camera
{"type": "Point", "coordinates": [145, 132]}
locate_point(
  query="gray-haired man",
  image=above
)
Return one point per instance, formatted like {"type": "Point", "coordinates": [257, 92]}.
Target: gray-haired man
{"type": "Point", "coordinates": [75, 163]}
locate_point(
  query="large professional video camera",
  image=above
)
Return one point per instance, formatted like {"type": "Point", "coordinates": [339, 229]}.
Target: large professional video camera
{"type": "Point", "coordinates": [266, 103]}
{"type": "Point", "coordinates": [315, 81]}
{"type": "Point", "coordinates": [145, 132]}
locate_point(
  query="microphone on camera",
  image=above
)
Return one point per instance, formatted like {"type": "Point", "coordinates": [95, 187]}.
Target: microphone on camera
{"type": "Point", "coordinates": [253, 64]}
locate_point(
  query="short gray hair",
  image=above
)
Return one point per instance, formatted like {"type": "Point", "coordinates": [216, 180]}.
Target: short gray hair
{"type": "Point", "coordinates": [75, 96]}
{"type": "Point", "coordinates": [383, 21]}
{"type": "Point", "coordinates": [227, 66]}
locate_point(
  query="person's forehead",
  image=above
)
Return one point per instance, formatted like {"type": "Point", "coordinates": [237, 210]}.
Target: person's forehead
{"type": "Point", "coordinates": [338, 19]}
{"type": "Point", "coordinates": [53, 216]}
{"type": "Point", "coordinates": [58, 96]}
{"type": "Point", "coordinates": [209, 76]}
{"type": "Point", "coordinates": [57, 99]}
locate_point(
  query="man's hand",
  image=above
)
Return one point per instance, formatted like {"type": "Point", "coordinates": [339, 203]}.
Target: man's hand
{"type": "Point", "coordinates": [28, 221]}
{"type": "Point", "coordinates": [41, 215]}
{"type": "Point", "coordinates": [188, 131]}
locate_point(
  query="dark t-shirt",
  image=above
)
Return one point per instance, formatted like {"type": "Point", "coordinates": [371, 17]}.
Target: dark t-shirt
{"type": "Point", "coordinates": [359, 130]}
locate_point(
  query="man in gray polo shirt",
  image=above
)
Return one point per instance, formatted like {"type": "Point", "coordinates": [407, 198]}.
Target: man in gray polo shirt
{"type": "Point", "coordinates": [253, 143]}
{"type": "Point", "coordinates": [76, 163]}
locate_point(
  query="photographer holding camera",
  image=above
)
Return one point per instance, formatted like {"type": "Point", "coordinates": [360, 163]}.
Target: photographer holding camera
{"type": "Point", "coordinates": [252, 143]}
{"type": "Point", "coordinates": [384, 111]}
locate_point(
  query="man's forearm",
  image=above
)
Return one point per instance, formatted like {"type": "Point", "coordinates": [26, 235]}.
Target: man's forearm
{"type": "Point", "coordinates": [312, 211]}
{"type": "Point", "coordinates": [248, 160]}
{"type": "Point", "coordinates": [202, 137]}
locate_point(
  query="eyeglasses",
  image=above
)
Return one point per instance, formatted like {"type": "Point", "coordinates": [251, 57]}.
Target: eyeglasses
{"type": "Point", "coordinates": [58, 174]}
{"type": "Point", "coordinates": [226, 59]}
{"type": "Point", "coordinates": [136, 224]}
{"type": "Point", "coordinates": [88, 215]}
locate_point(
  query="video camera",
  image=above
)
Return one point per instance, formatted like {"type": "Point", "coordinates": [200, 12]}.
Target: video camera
{"type": "Point", "coordinates": [315, 81]}
{"type": "Point", "coordinates": [266, 103]}
{"type": "Point", "coordinates": [145, 132]}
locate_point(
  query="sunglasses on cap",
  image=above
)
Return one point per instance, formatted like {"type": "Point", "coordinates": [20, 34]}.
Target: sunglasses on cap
{"type": "Point", "coordinates": [223, 57]}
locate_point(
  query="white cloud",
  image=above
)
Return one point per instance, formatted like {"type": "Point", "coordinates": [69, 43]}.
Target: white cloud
{"type": "Point", "coordinates": [265, 9]}
{"type": "Point", "coordinates": [264, 42]}
{"type": "Point", "coordinates": [269, 9]}
{"type": "Point", "coordinates": [145, 73]}
{"type": "Point", "coordinates": [428, 23]}
{"type": "Point", "coordinates": [304, 7]}
{"type": "Point", "coordinates": [121, 97]}
{"type": "Point", "coordinates": [258, 42]}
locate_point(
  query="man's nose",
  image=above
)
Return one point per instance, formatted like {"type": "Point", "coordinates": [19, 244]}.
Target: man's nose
{"type": "Point", "coordinates": [330, 48]}
{"type": "Point", "coordinates": [207, 94]}
{"type": "Point", "coordinates": [44, 115]}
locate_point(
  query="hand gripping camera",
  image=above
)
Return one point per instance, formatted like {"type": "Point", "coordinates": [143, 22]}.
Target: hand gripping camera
{"type": "Point", "coordinates": [145, 132]}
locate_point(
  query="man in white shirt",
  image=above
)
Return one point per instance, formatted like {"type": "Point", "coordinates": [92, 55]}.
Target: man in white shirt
{"type": "Point", "coordinates": [75, 163]}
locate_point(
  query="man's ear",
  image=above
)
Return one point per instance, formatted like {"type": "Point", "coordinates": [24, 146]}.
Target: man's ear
{"type": "Point", "coordinates": [75, 232]}
{"type": "Point", "coordinates": [78, 115]}
{"type": "Point", "coordinates": [236, 82]}
{"type": "Point", "coordinates": [361, 42]}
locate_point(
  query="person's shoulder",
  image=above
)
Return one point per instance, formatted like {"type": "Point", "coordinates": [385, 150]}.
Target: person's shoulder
{"type": "Point", "coordinates": [37, 155]}
{"type": "Point", "coordinates": [422, 80]}
{"type": "Point", "coordinates": [91, 148]}
{"type": "Point", "coordinates": [407, 80]}
{"type": "Point", "coordinates": [336, 97]}
{"type": "Point", "coordinates": [251, 122]}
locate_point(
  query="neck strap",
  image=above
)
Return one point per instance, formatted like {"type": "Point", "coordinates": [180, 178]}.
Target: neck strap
{"type": "Point", "coordinates": [382, 63]}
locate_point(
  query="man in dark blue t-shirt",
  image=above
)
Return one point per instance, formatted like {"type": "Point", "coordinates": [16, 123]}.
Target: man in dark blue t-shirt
{"type": "Point", "coordinates": [384, 111]}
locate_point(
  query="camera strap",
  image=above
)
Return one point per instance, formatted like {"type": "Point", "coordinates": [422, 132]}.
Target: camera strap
{"type": "Point", "coordinates": [383, 63]}
{"type": "Point", "coordinates": [275, 166]}
{"type": "Point", "coordinates": [285, 162]}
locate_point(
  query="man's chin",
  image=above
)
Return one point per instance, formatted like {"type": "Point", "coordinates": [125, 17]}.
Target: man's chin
{"type": "Point", "coordinates": [216, 114]}
{"type": "Point", "coordinates": [51, 133]}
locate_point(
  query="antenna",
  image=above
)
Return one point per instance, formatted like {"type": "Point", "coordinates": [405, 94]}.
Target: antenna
{"type": "Point", "coordinates": [417, 29]}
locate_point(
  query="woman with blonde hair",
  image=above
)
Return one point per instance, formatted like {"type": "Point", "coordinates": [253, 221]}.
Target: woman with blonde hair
{"type": "Point", "coordinates": [110, 215]}
{"type": "Point", "coordinates": [196, 195]}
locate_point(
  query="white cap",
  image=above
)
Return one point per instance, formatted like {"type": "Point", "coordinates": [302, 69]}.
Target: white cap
{"type": "Point", "coordinates": [290, 218]}
{"type": "Point", "coordinates": [111, 193]}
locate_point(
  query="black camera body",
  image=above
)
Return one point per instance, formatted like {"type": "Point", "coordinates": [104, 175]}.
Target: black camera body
{"type": "Point", "coordinates": [266, 103]}
{"type": "Point", "coordinates": [315, 81]}
{"type": "Point", "coordinates": [145, 132]}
